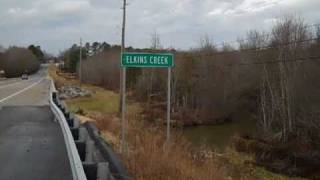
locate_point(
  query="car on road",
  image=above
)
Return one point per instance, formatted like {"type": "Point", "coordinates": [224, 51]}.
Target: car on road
{"type": "Point", "coordinates": [24, 77]}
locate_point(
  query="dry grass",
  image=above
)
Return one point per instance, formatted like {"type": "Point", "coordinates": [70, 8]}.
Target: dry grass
{"type": "Point", "coordinates": [150, 158]}
{"type": "Point", "coordinates": [101, 101]}
{"type": "Point", "coordinates": [147, 158]}
{"type": "Point", "coordinates": [60, 80]}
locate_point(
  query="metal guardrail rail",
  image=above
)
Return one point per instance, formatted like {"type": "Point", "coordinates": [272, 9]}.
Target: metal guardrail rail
{"type": "Point", "coordinates": [116, 166]}
{"type": "Point", "coordinates": [74, 158]}
{"type": "Point", "coordinates": [91, 158]}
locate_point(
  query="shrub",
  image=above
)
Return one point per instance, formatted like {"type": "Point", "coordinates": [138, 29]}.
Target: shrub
{"type": "Point", "coordinates": [17, 61]}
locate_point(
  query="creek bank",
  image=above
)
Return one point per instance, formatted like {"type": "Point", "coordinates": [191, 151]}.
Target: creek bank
{"type": "Point", "coordinates": [295, 158]}
{"type": "Point", "coordinates": [182, 118]}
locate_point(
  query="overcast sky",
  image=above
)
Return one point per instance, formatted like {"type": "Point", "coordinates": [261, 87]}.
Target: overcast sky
{"type": "Point", "coordinates": [57, 24]}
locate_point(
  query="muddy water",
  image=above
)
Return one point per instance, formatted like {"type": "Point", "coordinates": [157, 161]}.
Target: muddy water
{"type": "Point", "coordinates": [218, 136]}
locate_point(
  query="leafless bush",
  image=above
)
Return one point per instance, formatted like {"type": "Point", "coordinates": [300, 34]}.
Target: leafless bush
{"type": "Point", "coordinates": [17, 61]}
{"type": "Point", "coordinates": [211, 84]}
{"type": "Point", "coordinates": [287, 84]}
{"type": "Point", "coordinates": [102, 69]}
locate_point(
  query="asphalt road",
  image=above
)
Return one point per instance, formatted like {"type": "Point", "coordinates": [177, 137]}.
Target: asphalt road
{"type": "Point", "coordinates": [17, 92]}
{"type": "Point", "coordinates": [31, 143]}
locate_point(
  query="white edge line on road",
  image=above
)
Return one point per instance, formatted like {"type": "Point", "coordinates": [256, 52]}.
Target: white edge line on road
{"type": "Point", "coordinates": [21, 91]}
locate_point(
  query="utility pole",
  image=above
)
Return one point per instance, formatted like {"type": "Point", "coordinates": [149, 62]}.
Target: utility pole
{"type": "Point", "coordinates": [123, 85]}
{"type": "Point", "coordinates": [80, 66]}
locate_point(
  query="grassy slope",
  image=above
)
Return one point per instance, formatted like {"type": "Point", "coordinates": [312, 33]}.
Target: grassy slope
{"type": "Point", "coordinates": [147, 158]}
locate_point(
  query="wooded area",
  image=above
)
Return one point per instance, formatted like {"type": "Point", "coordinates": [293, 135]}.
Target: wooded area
{"type": "Point", "coordinates": [271, 75]}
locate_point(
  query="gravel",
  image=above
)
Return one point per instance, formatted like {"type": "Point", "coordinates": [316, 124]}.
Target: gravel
{"type": "Point", "coordinates": [73, 91]}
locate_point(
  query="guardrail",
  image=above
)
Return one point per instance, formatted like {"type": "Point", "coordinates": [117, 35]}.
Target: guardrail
{"type": "Point", "coordinates": [74, 158]}
{"type": "Point", "coordinates": [91, 158]}
{"type": "Point", "coordinates": [116, 167]}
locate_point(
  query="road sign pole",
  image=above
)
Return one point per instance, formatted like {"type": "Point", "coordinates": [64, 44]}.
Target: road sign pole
{"type": "Point", "coordinates": [168, 104]}
{"type": "Point", "coordinates": [123, 112]}
{"type": "Point", "coordinates": [150, 60]}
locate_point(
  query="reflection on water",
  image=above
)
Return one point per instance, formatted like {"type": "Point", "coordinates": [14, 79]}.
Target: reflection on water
{"type": "Point", "coordinates": [218, 136]}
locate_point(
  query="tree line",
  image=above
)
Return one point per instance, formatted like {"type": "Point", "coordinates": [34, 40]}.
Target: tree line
{"type": "Point", "coordinates": [273, 76]}
{"type": "Point", "coordinates": [71, 56]}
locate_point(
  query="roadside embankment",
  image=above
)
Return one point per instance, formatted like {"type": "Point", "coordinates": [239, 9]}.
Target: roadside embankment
{"type": "Point", "coordinates": [295, 158]}
{"type": "Point", "coordinates": [148, 158]}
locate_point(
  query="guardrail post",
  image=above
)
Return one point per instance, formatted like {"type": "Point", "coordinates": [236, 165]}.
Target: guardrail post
{"type": "Point", "coordinates": [83, 134]}
{"type": "Point", "coordinates": [76, 122]}
{"type": "Point", "coordinates": [89, 151]}
{"type": "Point", "coordinates": [103, 172]}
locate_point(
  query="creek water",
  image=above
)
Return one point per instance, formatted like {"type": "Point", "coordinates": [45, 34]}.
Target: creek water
{"type": "Point", "coordinates": [218, 137]}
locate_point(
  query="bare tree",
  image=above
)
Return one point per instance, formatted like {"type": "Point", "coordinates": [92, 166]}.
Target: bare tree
{"type": "Point", "coordinates": [102, 69]}
{"type": "Point", "coordinates": [279, 81]}
{"type": "Point", "coordinates": [155, 41]}
{"type": "Point", "coordinates": [18, 61]}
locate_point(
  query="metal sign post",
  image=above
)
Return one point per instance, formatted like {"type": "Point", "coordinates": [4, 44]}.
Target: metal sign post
{"type": "Point", "coordinates": [148, 60]}
{"type": "Point", "coordinates": [168, 104]}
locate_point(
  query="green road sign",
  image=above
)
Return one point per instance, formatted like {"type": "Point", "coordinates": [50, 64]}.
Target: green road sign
{"type": "Point", "coordinates": [147, 60]}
